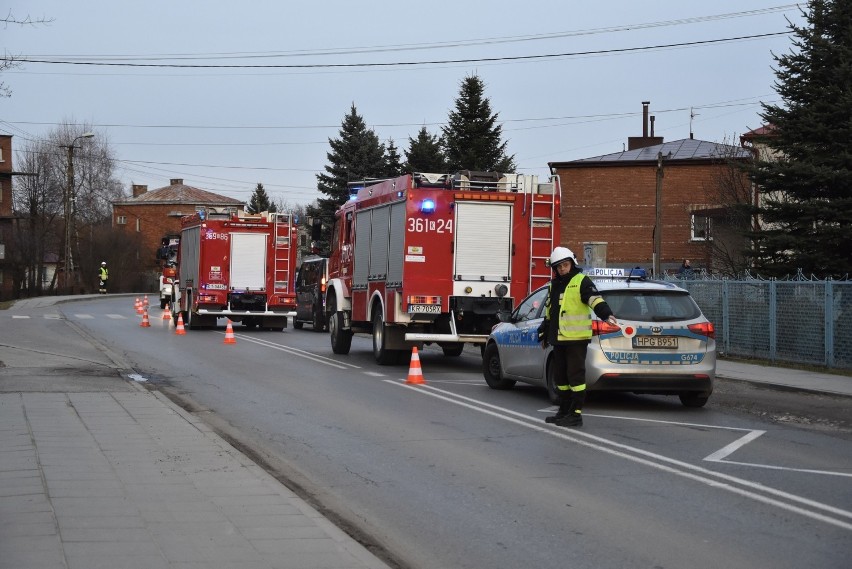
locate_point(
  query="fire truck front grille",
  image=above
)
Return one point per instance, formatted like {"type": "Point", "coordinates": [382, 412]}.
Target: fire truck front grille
{"type": "Point", "coordinates": [247, 301]}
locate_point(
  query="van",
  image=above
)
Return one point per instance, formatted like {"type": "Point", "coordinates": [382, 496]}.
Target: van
{"type": "Point", "coordinates": [311, 280]}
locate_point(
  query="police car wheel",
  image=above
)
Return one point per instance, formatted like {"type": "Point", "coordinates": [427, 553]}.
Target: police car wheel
{"type": "Point", "coordinates": [550, 383]}
{"type": "Point", "coordinates": [493, 371]}
{"type": "Point", "coordinates": [694, 399]}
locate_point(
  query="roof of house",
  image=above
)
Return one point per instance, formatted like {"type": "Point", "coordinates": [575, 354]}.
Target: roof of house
{"type": "Point", "coordinates": [676, 150]}
{"type": "Point", "coordinates": [180, 194]}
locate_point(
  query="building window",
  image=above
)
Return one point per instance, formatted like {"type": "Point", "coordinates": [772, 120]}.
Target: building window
{"type": "Point", "coordinates": [138, 224]}
{"type": "Point", "coordinates": [700, 228]}
{"type": "Point", "coordinates": [2, 250]}
{"type": "Point", "coordinates": [121, 220]}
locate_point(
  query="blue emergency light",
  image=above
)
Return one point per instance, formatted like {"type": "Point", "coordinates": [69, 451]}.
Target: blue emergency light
{"type": "Point", "coordinates": [427, 206]}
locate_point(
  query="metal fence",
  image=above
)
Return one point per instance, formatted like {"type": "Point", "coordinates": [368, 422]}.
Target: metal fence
{"type": "Point", "coordinates": [797, 321]}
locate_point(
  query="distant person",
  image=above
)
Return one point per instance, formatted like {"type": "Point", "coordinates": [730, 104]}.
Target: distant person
{"type": "Point", "coordinates": [103, 278]}
{"type": "Point", "coordinates": [685, 270]}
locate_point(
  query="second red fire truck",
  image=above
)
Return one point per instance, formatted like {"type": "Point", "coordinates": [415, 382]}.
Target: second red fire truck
{"type": "Point", "coordinates": [432, 258]}
{"type": "Point", "coordinates": [237, 266]}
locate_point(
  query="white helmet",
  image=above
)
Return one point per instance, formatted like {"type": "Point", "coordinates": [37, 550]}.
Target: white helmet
{"type": "Point", "coordinates": [561, 254]}
{"type": "Point", "coordinates": [103, 263]}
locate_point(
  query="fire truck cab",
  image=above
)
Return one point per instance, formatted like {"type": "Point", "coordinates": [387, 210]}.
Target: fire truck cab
{"type": "Point", "coordinates": [432, 258]}
{"type": "Point", "coordinates": [237, 266]}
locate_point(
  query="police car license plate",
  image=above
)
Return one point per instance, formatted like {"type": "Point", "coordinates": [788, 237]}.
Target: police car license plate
{"type": "Point", "coordinates": [655, 341]}
{"type": "Point", "coordinates": [424, 308]}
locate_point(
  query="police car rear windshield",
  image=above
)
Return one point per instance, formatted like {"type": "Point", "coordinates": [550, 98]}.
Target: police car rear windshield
{"type": "Point", "coordinates": [651, 305]}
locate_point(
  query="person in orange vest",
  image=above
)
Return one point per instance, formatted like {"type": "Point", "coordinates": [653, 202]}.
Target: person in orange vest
{"type": "Point", "coordinates": [103, 278]}
{"type": "Point", "coordinates": [567, 326]}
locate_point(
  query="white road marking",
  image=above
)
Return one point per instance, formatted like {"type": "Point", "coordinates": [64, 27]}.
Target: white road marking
{"type": "Point", "coordinates": [16, 316]}
{"type": "Point", "coordinates": [300, 353]}
{"type": "Point", "coordinates": [733, 447]}
{"type": "Point", "coordinates": [752, 490]}
{"type": "Point", "coordinates": [52, 317]}
{"type": "Point", "coordinates": [375, 374]}
{"type": "Point", "coordinates": [116, 316]}
{"type": "Point", "coordinates": [83, 316]}
{"type": "Point", "coordinates": [137, 377]}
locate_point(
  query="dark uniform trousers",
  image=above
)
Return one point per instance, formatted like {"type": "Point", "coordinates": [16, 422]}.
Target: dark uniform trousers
{"type": "Point", "coordinates": [571, 386]}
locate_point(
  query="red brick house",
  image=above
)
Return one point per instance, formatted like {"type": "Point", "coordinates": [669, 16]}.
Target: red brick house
{"type": "Point", "coordinates": [609, 203]}
{"type": "Point", "coordinates": [152, 215]}
{"type": "Point", "coordinates": [7, 218]}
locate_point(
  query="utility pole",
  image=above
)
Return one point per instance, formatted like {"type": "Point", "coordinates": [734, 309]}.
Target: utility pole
{"type": "Point", "coordinates": [658, 217]}
{"type": "Point", "coordinates": [68, 267]}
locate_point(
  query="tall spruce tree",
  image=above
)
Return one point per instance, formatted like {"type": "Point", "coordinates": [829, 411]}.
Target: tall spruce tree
{"type": "Point", "coordinates": [472, 137]}
{"type": "Point", "coordinates": [393, 162]}
{"type": "Point", "coordinates": [260, 201]}
{"type": "Point", "coordinates": [355, 155]}
{"type": "Point", "coordinates": [424, 153]}
{"type": "Point", "coordinates": [807, 209]}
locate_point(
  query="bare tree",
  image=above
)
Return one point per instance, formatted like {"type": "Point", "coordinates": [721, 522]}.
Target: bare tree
{"type": "Point", "coordinates": [40, 199]}
{"type": "Point", "coordinates": [9, 61]}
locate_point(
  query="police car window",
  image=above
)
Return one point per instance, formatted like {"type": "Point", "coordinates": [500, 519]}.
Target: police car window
{"type": "Point", "coordinates": [530, 308]}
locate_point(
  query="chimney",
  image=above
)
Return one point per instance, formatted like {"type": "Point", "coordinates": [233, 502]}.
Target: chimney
{"type": "Point", "coordinates": [644, 141]}
{"type": "Point", "coordinates": [176, 182]}
{"type": "Point", "coordinates": [139, 189]}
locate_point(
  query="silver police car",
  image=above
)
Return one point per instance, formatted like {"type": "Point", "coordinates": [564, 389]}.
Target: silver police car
{"type": "Point", "coordinates": [663, 344]}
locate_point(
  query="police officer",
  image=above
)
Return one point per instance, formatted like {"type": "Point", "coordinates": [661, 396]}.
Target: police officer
{"type": "Point", "coordinates": [103, 277]}
{"type": "Point", "coordinates": [567, 326]}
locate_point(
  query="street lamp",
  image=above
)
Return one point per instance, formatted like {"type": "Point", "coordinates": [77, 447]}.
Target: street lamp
{"type": "Point", "coordinates": [69, 211]}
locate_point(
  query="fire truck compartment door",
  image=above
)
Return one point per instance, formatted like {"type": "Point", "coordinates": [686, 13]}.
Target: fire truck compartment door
{"type": "Point", "coordinates": [483, 241]}
{"type": "Point", "coordinates": [248, 261]}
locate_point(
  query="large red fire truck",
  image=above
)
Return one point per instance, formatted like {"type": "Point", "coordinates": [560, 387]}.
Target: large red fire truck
{"type": "Point", "coordinates": [432, 258]}
{"type": "Point", "coordinates": [237, 266]}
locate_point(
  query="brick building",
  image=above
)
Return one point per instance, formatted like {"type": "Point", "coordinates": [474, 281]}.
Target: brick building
{"type": "Point", "coordinates": [609, 202]}
{"type": "Point", "coordinates": [7, 218]}
{"type": "Point", "coordinates": [152, 215]}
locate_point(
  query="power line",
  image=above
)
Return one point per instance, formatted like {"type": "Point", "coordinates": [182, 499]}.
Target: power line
{"type": "Point", "coordinates": [406, 63]}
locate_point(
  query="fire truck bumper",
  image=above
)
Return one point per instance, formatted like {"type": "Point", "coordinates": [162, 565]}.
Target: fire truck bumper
{"type": "Point", "coordinates": [465, 338]}
{"type": "Point", "coordinates": [228, 312]}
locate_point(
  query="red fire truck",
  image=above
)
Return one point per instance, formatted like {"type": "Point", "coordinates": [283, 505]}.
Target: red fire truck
{"type": "Point", "coordinates": [237, 266]}
{"type": "Point", "coordinates": [432, 258]}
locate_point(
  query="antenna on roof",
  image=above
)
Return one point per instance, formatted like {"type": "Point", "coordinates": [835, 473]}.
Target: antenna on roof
{"type": "Point", "coordinates": [692, 115]}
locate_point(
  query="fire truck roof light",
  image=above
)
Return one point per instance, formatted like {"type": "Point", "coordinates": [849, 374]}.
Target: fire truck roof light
{"type": "Point", "coordinates": [427, 206]}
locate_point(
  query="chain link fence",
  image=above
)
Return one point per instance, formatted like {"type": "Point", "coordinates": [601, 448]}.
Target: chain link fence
{"type": "Point", "coordinates": [798, 321]}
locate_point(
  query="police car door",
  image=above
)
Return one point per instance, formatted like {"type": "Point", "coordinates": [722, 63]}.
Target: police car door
{"type": "Point", "coordinates": [523, 353]}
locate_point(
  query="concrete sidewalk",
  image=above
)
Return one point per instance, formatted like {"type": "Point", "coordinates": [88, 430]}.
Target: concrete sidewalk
{"type": "Point", "coordinates": [126, 479]}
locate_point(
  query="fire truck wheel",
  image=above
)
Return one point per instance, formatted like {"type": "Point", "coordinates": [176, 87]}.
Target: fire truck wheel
{"type": "Point", "coordinates": [383, 355]}
{"type": "Point", "coordinates": [453, 349]}
{"type": "Point", "coordinates": [297, 324]}
{"type": "Point", "coordinates": [319, 321]}
{"type": "Point", "coordinates": [341, 340]}
{"type": "Point", "coordinates": [163, 303]}
{"type": "Point", "coordinates": [493, 371]}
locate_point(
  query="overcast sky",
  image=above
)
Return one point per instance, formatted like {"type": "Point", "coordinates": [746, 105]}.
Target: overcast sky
{"type": "Point", "coordinates": [567, 78]}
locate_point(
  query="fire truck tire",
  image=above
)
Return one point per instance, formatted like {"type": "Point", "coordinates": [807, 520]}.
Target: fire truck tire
{"type": "Point", "coordinates": [383, 355]}
{"type": "Point", "coordinates": [163, 303]}
{"type": "Point", "coordinates": [453, 349]}
{"type": "Point", "coordinates": [319, 322]}
{"type": "Point", "coordinates": [341, 340]}
{"type": "Point", "coordinates": [493, 370]}
{"type": "Point", "coordinates": [297, 324]}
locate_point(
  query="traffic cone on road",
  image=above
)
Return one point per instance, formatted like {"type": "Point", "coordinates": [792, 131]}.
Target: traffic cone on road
{"type": "Point", "coordinates": [139, 307]}
{"type": "Point", "coordinates": [180, 330]}
{"type": "Point", "coordinates": [145, 301]}
{"type": "Point", "coordinates": [167, 314]}
{"type": "Point", "coordinates": [415, 374]}
{"type": "Point", "coordinates": [229, 334]}
{"type": "Point", "coordinates": [137, 304]}
{"type": "Point", "coordinates": [145, 322]}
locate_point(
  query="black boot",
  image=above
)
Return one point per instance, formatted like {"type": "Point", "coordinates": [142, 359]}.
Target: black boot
{"type": "Point", "coordinates": [564, 410]}
{"type": "Point", "coordinates": [574, 419]}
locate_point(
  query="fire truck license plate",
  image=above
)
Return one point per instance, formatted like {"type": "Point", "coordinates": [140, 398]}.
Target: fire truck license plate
{"type": "Point", "coordinates": [424, 308]}
{"type": "Point", "coordinates": [655, 341]}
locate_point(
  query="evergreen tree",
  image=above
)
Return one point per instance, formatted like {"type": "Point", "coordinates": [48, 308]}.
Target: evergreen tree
{"type": "Point", "coordinates": [472, 137]}
{"type": "Point", "coordinates": [260, 201]}
{"type": "Point", "coordinates": [807, 188]}
{"type": "Point", "coordinates": [393, 163]}
{"type": "Point", "coordinates": [355, 155]}
{"type": "Point", "coordinates": [424, 154]}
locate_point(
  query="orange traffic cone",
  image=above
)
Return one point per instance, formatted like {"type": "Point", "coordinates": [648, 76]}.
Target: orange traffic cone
{"type": "Point", "coordinates": [229, 334]}
{"type": "Point", "coordinates": [139, 307]}
{"type": "Point", "coordinates": [167, 314]}
{"type": "Point", "coordinates": [145, 301]}
{"type": "Point", "coordinates": [180, 330]}
{"type": "Point", "coordinates": [415, 374]}
{"type": "Point", "coordinates": [137, 304]}
{"type": "Point", "coordinates": [145, 322]}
